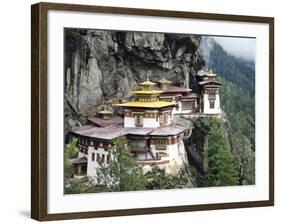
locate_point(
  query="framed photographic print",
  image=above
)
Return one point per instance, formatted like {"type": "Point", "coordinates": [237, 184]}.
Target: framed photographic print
{"type": "Point", "coordinates": [139, 111]}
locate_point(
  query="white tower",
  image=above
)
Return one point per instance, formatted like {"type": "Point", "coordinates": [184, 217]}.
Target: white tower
{"type": "Point", "coordinates": [210, 94]}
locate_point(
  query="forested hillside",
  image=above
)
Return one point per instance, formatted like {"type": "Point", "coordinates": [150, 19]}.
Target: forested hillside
{"type": "Point", "coordinates": [236, 70]}
{"type": "Point", "coordinates": [238, 102]}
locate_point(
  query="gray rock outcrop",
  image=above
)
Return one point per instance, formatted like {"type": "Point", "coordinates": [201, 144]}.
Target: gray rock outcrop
{"type": "Point", "coordinates": [102, 66]}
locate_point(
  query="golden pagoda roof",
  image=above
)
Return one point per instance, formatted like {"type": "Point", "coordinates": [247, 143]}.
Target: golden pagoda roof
{"type": "Point", "coordinates": [147, 83]}
{"type": "Point", "coordinates": [149, 104]}
{"type": "Point", "coordinates": [164, 80]}
{"type": "Point", "coordinates": [146, 92]}
{"type": "Point", "coordinates": [105, 112]}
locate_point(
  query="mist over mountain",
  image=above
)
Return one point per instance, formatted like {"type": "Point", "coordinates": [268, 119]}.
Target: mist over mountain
{"type": "Point", "coordinates": [244, 48]}
{"type": "Point", "coordinates": [238, 70]}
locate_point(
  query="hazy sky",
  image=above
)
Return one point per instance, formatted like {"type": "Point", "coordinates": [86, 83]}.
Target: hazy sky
{"type": "Point", "coordinates": [240, 47]}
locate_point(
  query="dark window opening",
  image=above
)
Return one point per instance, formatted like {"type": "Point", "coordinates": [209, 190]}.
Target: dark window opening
{"type": "Point", "coordinates": [107, 159]}
{"type": "Point", "coordinates": [83, 169]}
{"type": "Point", "coordinates": [212, 104]}
{"type": "Point", "coordinates": [102, 158]}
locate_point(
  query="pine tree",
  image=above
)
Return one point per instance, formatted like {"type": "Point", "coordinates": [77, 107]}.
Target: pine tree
{"type": "Point", "coordinates": [222, 168]}
{"type": "Point", "coordinates": [245, 158]}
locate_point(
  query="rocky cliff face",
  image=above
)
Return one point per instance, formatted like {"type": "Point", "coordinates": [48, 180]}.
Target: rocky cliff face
{"type": "Point", "coordinates": [102, 66]}
{"type": "Point", "coordinates": [206, 45]}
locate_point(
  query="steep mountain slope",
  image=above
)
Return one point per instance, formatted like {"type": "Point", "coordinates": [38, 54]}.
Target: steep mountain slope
{"type": "Point", "coordinates": [103, 66]}
{"type": "Point", "coordinates": [106, 64]}
{"type": "Point", "coordinates": [237, 100]}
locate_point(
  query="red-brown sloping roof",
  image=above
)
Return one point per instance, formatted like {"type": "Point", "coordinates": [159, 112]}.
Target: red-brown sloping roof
{"type": "Point", "coordinates": [168, 130]}
{"type": "Point", "coordinates": [106, 122]}
{"type": "Point", "coordinates": [106, 133]}
{"type": "Point", "coordinates": [173, 89]}
{"type": "Point", "coordinates": [210, 82]}
{"type": "Point", "coordinates": [110, 133]}
{"type": "Point", "coordinates": [139, 131]}
{"type": "Point", "coordinates": [191, 95]}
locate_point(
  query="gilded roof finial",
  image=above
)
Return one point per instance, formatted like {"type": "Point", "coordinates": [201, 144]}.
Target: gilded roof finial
{"type": "Point", "coordinates": [164, 80]}
{"type": "Point", "coordinates": [147, 83]}
{"type": "Point", "coordinates": [211, 75]}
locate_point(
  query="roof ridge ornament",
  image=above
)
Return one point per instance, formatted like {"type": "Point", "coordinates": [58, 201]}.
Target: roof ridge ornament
{"type": "Point", "coordinates": [164, 80]}
{"type": "Point", "coordinates": [147, 84]}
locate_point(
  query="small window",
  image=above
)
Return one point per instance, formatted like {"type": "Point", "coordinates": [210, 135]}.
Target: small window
{"type": "Point", "coordinates": [93, 156]}
{"type": "Point", "coordinates": [165, 118]}
{"type": "Point", "coordinates": [108, 159]}
{"type": "Point", "coordinates": [160, 143]}
{"type": "Point", "coordinates": [188, 105]}
{"type": "Point", "coordinates": [138, 120]}
{"type": "Point", "coordinates": [212, 104]}
{"type": "Point", "coordinates": [162, 119]}
{"type": "Point", "coordinates": [102, 158]}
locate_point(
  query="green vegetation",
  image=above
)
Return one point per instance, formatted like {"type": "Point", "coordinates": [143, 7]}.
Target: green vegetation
{"type": "Point", "coordinates": [123, 173]}
{"type": "Point", "coordinates": [84, 185]}
{"type": "Point", "coordinates": [245, 159]}
{"type": "Point", "coordinates": [157, 179]}
{"type": "Point", "coordinates": [238, 102]}
{"type": "Point", "coordinates": [236, 70]}
{"type": "Point", "coordinates": [240, 110]}
{"type": "Point", "coordinates": [222, 168]}
{"type": "Point", "coordinates": [70, 152]}
{"type": "Point", "coordinates": [238, 90]}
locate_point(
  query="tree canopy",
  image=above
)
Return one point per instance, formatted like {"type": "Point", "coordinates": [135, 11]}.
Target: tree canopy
{"type": "Point", "coordinates": [245, 158]}
{"type": "Point", "coordinates": [123, 172]}
{"type": "Point", "coordinates": [70, 152]}
{"type": "Point", "coordinates": [222, 169]}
